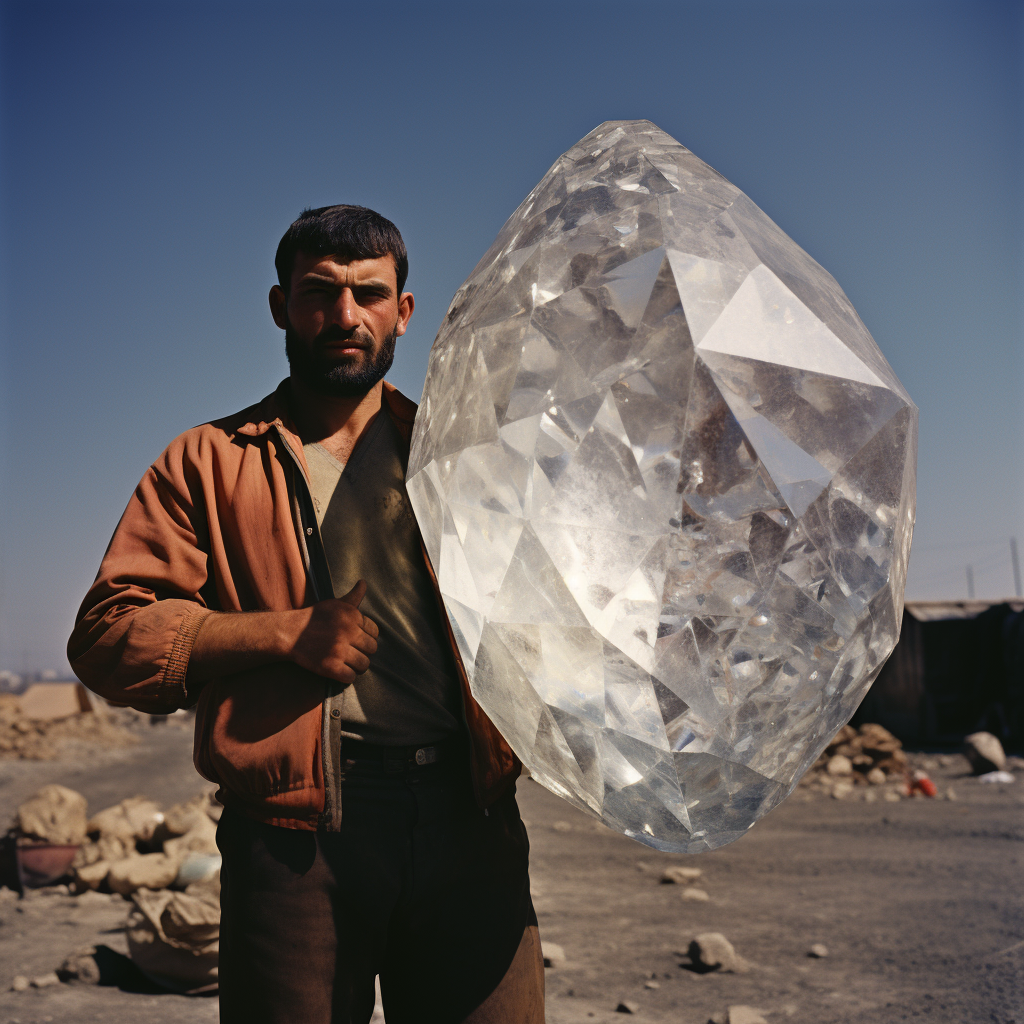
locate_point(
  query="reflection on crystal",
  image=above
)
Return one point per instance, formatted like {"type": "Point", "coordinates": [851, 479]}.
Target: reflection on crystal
{"type": "Point", "coordinates": [667, 480]}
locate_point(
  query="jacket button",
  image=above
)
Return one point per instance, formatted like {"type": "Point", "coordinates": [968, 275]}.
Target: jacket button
{"type": "Point", "coordinates": [309, 531]}
{"type": "Point", "coordinates": [335, 713]}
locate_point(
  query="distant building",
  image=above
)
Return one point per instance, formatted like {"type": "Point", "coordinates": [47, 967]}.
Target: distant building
{"type": "Point", "coordinates": [57, 699]}
{"type": "Point", "coordinates": [958, 668]}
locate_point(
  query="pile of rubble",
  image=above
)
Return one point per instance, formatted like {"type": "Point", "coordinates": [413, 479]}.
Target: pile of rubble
{"type": "Point", "coordinates": [37, 739]}
{"type": "Point", "coordinates": [166, 862]}
{"type": "Point", "coordinates": [862, 761]}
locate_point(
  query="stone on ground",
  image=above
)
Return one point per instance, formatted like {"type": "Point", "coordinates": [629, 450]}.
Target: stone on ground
{"type": "Point", "coordinates": [54, 815]}
{"type": "Point", "coordinates": [985, 753]}
{"type": "Point", "coordinates": [677, 874]}
{"type": "Point", "coordinates": [135, 819]}
{"type": "Point", "coordinates": [713, 951]}
{"type": "Point", "coordinates": [554, 955]}
{"type": "Point", "coordinates": [695, 894]}
{"type": "Point", "coordinates": [745, 1015]}
{"type": "Point", "coordinates": [144, 871]}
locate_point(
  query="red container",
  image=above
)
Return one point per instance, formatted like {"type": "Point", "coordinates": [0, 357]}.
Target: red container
{"type": "Point", "coordinates": [42, 864]}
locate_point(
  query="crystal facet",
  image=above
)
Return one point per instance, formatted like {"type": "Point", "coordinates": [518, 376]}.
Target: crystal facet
{"type": "Point", "coordinates": [666, 478]}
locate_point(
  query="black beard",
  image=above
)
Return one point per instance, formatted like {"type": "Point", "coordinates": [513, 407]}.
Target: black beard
{"type": "Point", "coordinates": [320, 373]}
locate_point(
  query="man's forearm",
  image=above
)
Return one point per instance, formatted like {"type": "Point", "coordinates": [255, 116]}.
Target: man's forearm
{"type": "Point", "coordinates": [235, 641]}
{"type": "Point", "coordinates": [331, 638]}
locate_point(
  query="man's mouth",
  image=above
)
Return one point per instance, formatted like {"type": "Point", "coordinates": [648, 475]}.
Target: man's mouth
{"type": "Point", "coordinates": [345, 347]}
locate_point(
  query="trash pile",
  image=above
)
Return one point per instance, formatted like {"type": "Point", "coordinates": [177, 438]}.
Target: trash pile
{"type": "Point", "coordinates": [866, 757]}
{"type": "Point", "coordinates": [36, 739]}
{"type": "Point", "coordinates": [166, 862]}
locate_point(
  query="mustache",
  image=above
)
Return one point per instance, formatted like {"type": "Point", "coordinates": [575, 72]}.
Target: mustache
{"type": "Point", "coordinates": [329, 335]}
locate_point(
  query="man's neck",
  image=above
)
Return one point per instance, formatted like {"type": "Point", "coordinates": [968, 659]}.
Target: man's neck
{"type": "Point", "coordinates": [335, 423]}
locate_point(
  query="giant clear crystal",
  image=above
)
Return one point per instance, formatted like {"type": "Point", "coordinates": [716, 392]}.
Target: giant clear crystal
{"type": "Point", "coordinates": [666, 479]}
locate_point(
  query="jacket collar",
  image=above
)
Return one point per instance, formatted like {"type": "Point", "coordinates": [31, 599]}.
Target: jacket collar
{"type": "Point", "coordinates": [273, 412]}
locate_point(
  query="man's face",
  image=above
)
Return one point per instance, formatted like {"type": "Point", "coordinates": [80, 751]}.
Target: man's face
{"type": "Point", "coordinates": [341, 321]}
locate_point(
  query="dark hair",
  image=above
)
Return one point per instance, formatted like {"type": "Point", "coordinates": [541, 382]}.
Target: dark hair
{"type": "Point", "coordinates": [348, 232]}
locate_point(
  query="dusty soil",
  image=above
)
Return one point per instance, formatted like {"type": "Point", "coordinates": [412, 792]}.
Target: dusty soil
{"type": "Point", "coordinates": [919, 903]}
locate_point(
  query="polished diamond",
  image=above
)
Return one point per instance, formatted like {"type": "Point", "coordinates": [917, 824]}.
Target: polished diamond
{"type": "Point", "coordinates": [667, 480]}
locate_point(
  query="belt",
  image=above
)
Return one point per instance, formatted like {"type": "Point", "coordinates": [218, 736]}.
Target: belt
{"type": "Point", "coordinates": [357, 750]}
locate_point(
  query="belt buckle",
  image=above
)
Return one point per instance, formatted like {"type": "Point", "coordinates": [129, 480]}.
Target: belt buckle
{"type": "Point", "coordinates": [426, 755]}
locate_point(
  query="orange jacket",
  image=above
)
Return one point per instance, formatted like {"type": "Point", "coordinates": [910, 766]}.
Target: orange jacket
{"type": "Point", "coordinates": [219, 523]}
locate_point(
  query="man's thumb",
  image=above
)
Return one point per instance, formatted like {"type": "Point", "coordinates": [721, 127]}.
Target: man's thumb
{"type": "Point", "coordinates": [356, 594]}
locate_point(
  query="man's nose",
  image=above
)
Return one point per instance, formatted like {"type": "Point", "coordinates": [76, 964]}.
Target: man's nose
{"type": "Point", "coordinates": [346, 310]}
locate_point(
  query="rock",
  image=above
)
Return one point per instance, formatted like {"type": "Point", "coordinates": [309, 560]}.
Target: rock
{"type": "Point", "coordinates": [143, 871]}
{"type": "Point", "coordinates": [54, 815]}
{"type": "Point", "coordinates": [841, 790]}
{"type": "Point", "coordinates": [874, 731]}
{"type": "Point", "coordinates": [745, 1015]}
{"type": "Point", "coordinates": [998, 777]}
{"type": "Point", "coordinates": [183, 817]}
{"type": "Point", "coordinates": [984, 752]}
{"type": "Point", "coordinates": [818, 951]}
{"type": "Point", "coordinates": [562, 826]}
{"type": "Point", "coordinates": [627, 1007]}
{"type": "Point", "coordinates": [876, 777]}
{"type": "Point", "coordinates": [201, 838]}
{"type": "Point", "coordinates": [81, 967]}
{"type": "Point", "coordinates": [20, 983]}
{"type": "Point", "coordinates": [133, 820]}
{"type": "Point", "coordinates": [845, 735]}
{"type": "Point", "coordinates": [175, 935]}
{"type": "Point", "coordinates": [651, 984]}
{"type": "Point", "coordinates": [895, 762]}
{"type": "Point", "coordinates": [891, 797]}
{"type": "Point", "coordinates": [839, 764]}
{"type": "Point", "coordinates": [677, 874]}
{"type": "Point", "coordinates": [695, 894]}
{"type": "Point", "coordinates": [91, 876]}
{"type": "Point", "coordinates": [951, 794]}
{"type": "Point", "coordinates": [554, 955]}
{"type": "Point", "coordinates": [713, 951]}
{"type": "Point", "coordinates": [105, 848]}
{"type": "Point", "coordinates": [45, 980]}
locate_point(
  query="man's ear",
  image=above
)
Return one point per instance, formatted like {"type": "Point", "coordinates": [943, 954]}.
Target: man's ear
{"type": "Point", "coordinates": [406, 304]}
{"type": "Point", "coordinates": [279, 306]}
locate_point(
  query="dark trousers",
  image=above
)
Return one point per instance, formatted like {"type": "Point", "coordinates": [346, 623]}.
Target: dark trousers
{"type": "Point", "coordinates": [419, 886]}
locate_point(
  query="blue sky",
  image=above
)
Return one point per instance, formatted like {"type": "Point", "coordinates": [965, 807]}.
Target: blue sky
{"type": "Point", "coordinates": [151, 155]}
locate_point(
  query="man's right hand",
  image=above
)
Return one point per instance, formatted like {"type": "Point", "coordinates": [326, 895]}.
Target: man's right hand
{"type": "Point", "coordinates": [332, 638]}
{"type": "Point", "coordinates": [336, 638]}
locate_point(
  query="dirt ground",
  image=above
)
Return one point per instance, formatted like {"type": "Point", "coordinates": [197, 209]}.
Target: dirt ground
{"type": "Point", "coordinates": [918, 903]}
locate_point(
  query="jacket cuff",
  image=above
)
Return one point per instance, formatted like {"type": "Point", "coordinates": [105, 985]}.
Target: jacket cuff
{"type": "Point", "coordinates": [181, 651]}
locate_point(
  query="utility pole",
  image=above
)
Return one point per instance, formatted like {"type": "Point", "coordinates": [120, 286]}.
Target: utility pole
{"type": "Point", "coordinates": [1015, 562]}
{"type": "Point", "coordinates": [970, 582]}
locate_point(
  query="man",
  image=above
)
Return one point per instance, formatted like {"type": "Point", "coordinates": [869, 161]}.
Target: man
{"type": "Point", "coordinates": [268, 569]}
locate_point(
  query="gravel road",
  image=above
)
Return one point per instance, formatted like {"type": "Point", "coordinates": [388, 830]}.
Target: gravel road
{"type": "Point", "coordinates": [918, 903]}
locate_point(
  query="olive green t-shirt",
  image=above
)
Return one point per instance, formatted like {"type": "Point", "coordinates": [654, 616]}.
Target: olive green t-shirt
{"type": "Point", "coordinates": [410, 694]}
